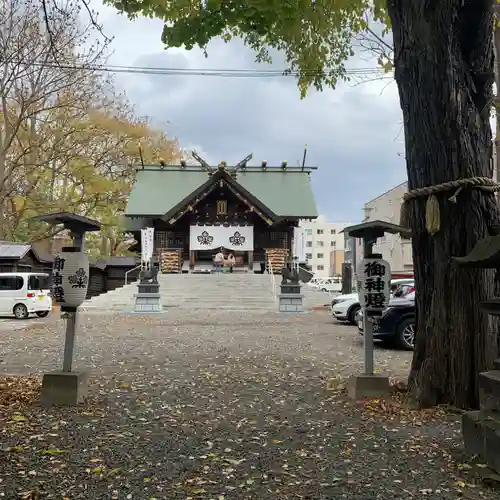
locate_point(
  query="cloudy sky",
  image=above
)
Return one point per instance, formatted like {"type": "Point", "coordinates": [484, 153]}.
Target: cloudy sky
{"type": "Point", "coordinates": [353, 133]}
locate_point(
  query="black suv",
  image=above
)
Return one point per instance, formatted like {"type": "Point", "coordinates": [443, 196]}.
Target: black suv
{"type": "Point", "coordinates": [396, 326]}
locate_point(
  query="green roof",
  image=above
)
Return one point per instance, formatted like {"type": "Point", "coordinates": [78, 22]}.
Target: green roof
{"type": "Point", "coordinates": [285, 192]}
{"type": "Point", "coordinates": [156, 191]}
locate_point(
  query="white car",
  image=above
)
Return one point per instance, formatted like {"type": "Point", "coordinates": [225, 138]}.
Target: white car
{"type": "Point", "coordinates": [331, 285]}
{"type": "Point", "coordinates": [314, 282]}
{"type": "Point", "coordinates": [345, 307]}
{"type": "Point", "coordinates": [22, 294]}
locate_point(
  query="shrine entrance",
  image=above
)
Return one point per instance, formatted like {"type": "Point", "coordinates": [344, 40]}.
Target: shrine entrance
{"type": "Point", "coordinates": [206, 240]}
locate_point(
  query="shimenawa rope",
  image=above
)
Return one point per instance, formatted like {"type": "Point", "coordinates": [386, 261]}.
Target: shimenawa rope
{"type": "Point", "coordinates": [432, 211]}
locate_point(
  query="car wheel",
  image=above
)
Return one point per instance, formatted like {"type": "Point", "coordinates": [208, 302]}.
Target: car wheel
{"type": "Point", "coordinates": [351, 315]}
{"type": "Point", "coordinates": [324, 290]}
{"type": "Point", "coordinates": [406, 333]}
{"type": "Point", "coordinates": [21, 311]}
{"type": "Point", "coordinates": [42, 314]}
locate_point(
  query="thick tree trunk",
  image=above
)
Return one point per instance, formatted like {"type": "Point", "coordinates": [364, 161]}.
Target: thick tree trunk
{"type": "Point", "coordinates": [444, 72]}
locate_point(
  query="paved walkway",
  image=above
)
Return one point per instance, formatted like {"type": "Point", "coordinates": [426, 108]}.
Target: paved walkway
{"type": "Point", "coordinates": [219, 406]}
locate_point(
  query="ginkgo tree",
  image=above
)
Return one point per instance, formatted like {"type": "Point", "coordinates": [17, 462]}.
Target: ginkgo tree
{"type": "Point", "coordinates": [443, 66]}
{"type": "Point", "coordinates": [68, 140]}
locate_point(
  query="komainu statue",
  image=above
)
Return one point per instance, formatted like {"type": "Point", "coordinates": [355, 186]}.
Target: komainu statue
{"type": "Point", "coordinates": [289, 277]}
{"type": "Point", "coordinates": [149, 275]}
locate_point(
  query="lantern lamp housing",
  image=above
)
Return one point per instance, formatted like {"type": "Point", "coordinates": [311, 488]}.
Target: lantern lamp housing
{"type": "Point", "coordinates": [70, 277]}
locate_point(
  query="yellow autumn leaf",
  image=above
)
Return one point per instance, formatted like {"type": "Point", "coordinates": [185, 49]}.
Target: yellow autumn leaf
{"type": "Point", "coordinates": [276, 441]}
{"type": "Point", "coordinates": [96, 460]}
{"type": "Point", "coordinates": [96, 470]}
{"type": "Point", "coordinates": [19, 418]}
{"type": "Point", "coordinates": [53, 451]}
{"type": "Point", "coordinates": [460, 484]}
{"type": "Point", "coordinates": [16, 449]}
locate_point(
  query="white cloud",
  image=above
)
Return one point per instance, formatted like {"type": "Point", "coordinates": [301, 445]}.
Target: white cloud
{"type": "Point", "coordinates": [353, 133]}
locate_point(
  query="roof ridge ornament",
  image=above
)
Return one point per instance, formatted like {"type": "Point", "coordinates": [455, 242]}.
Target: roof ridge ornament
{"type": "Point", "coordinates": [204, 165]}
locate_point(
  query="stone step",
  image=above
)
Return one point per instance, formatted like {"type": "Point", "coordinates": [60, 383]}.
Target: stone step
{"type": "Point", "coordinates": [489, 391]}
{"type": "Point", "coordinates": [130, 307]}
{"type": "Point", "coordinates": [481, 435]}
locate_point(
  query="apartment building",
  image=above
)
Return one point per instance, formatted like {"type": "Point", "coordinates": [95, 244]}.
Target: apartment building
{"type": "Point", "coordinates": [394, 249]}
{"type": "Point", "coordinates": [324, 242]}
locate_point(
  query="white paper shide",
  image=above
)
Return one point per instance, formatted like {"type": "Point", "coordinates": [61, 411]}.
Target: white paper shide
{"type": "Point", "coordinates": [374, 278]}
{"type": "Point", "coordinates": [70, 278]}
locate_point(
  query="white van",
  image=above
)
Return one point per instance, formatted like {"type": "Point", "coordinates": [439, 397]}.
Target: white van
{"type": "Point", "coordinates": [22, 294]}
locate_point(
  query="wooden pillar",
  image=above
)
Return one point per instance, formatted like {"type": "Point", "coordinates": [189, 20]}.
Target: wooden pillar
{"type": "Point", "coordinates": [192, 259]}
{"type": "Point", "coordinates": [250, 261]}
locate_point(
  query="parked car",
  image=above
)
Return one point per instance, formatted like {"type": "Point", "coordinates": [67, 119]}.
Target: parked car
{"type": "Point", "coordinates": [315, 282]}
{"type": "Point", "coordinates": [345, 307]}
{"type": "Point", "coordinates": [331, 285]}
{"type": "Point", "coordinates": [396, 326]}
{"type": "Point", "coordinates": [22, 294]}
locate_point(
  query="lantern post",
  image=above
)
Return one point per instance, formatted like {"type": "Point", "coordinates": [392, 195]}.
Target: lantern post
{"type": "Point", "coordinates": [70, 279]}
{"type": "Point", "coordinates": [368, 383]}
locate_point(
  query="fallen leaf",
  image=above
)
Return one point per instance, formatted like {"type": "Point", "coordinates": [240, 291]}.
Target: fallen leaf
{"type": "Point", "coordinates": [53, 451]}
{"type": "Point", "coordinates": [19, 418]}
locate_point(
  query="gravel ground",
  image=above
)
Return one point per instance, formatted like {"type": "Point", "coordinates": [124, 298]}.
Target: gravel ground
{"type": "Point", "coordinates": [218, 406]}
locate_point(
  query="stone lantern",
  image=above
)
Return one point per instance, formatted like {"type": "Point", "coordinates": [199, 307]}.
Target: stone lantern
{"type": "Point", "coordinates": [369, 383]}
{"type": "Point", "coordinates": [481, 428]}
{"type": "Point", "coordinates": [70, 277]}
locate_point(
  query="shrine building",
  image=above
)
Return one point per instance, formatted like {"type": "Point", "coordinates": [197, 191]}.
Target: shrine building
{"type": "Point", "coordinates": [250, 211]}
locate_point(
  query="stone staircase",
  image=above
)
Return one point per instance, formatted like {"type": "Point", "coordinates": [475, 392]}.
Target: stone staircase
{"type": "Point", "coordinates": [231, 292]}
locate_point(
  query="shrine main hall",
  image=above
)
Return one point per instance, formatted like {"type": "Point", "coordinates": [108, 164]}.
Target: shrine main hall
{"type": "Point", "coordinates": [250, 211]}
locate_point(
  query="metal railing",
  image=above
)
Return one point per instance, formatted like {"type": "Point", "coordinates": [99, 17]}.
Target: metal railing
{"type": "Point", "coordinates": [273, 279]}
{"type": "Point", "coordinates": [129, 271]}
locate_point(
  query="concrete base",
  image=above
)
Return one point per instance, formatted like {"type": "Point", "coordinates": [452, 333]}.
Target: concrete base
{"type": "Point", "coordinates": [368, 386]}
{"type": "Point", "coordinates": [147, 303]}
{"type": "Point", "coordinates": [64, 388]}
{"type": "Point", "coordinates": [290, 302]}
{"type": "Point", "coordinates": [481, 435]}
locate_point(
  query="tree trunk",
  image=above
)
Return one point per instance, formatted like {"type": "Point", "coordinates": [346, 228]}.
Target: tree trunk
{"type": "Point", "coordinates": [444, 72]}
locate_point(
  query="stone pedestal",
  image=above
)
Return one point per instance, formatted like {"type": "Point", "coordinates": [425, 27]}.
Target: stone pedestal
{"type": "Point", "coordinates": [64, 388]}
{"type": "Point", "coordinates": [290, 302]}
{"type": "Point", "coordinates": [291, 288]}
{"type": "Point", "coordinates": [368, 386]}
{"type": "Point", "coordinates": [481, 428]}
{"type": "Point", "coordinates": [148, 300]}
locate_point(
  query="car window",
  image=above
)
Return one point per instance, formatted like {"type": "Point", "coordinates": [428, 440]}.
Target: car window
{"type": "Point", "coordinates": [11, 283]}
{"type": "Point", "coordinates": [38, 282]}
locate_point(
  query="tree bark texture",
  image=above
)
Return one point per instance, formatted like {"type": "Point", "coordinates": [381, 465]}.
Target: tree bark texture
{"type": "Point", "coordinates": [444, 72]}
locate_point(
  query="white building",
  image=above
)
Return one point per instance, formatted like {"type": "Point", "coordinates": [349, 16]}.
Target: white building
{"type": "Point", "coordinates": [394, 249]}
{"type": "Point", "coordinates": [324, 243]}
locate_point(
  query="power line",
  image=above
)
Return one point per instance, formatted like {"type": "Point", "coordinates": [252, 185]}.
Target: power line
{"type": "Point", "coordinates": [215, 72]}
